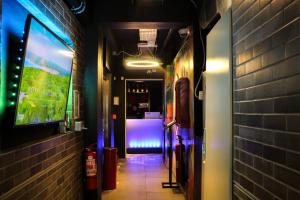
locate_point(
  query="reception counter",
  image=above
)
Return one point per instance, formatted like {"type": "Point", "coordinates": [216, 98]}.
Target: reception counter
{"type": "Point", "coordinates": [144, 135]}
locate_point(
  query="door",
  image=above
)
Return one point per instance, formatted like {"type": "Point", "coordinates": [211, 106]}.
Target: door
{"type": "Point", "coordinates": [217, 154]}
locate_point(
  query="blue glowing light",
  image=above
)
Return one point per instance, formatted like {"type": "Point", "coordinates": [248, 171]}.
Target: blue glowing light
{"type": "Point", "coordinates": [35, 11]}
{"type": "Point", "coordinates": [144, 144]}
{"type": "Point", "coordinates": [19, 58]}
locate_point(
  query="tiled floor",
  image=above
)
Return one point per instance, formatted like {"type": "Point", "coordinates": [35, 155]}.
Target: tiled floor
{"type": "Point", "coordinates": [139, 178]}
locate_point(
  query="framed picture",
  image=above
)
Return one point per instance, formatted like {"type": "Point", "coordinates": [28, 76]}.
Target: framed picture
{"type": "Point", "coordinates": [76, 104]}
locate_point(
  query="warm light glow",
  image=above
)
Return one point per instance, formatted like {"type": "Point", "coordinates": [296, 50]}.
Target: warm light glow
{"type": "Point", "coordinates": [142, 63]}
{"type": "Point", "coordinates": [217, 65]}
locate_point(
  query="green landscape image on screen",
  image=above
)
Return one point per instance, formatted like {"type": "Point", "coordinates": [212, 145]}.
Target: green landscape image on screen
{"type": "Point", "coordinates": [45, 79]}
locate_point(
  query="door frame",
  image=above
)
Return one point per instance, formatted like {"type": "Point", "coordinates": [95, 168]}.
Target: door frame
{"type": "Point", "coordinates": [125, 107]}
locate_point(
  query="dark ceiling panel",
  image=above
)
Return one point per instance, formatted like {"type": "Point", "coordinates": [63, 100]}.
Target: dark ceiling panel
{"type": "Point", "coordinates": [126, 39]}
{"type": "Point", "coordinates": [139, 25]}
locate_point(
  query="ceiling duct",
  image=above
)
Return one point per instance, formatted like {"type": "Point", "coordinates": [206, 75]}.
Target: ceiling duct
{"type": "Point", "coordinates": [76, 6]}
{"type": "Point", "coordinates": [147, 38]}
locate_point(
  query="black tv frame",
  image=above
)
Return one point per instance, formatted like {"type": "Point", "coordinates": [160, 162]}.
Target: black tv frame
{"type": "Point", "coordinates": [25, 38]}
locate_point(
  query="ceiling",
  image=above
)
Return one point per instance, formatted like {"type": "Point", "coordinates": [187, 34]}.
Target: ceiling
{"type": "Point", "coordinates": [124, 36]}
{"type": "Point", "coordinates": [168, 43]}
{"type": "Point", "coordinates": [127, 39]}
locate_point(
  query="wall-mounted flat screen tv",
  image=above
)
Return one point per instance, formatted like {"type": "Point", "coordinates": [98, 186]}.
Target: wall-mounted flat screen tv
{"type": "Point", "coordinates": [46, 74]}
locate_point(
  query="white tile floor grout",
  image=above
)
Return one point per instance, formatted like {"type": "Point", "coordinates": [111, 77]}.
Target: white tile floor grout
{"type": "Point", "coordinates": [139, 178]}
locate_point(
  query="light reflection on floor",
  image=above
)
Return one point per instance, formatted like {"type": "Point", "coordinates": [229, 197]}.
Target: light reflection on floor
{"type": "Point", "coordinates": [139, 178]}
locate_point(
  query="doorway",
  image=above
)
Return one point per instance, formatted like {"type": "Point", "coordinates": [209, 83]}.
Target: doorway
{"type": "Point", "coordinates": [144, 116]}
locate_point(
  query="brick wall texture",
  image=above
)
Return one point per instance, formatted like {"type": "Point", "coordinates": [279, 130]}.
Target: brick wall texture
{"type": "Point", "coordinates": [49, 169]}
{"type": "Point", "coordinates": [266, 59]}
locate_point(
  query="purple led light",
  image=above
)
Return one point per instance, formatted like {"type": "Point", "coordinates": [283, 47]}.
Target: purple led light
{"type": "Point", "coordinates": [144, 144]}
{"type": "Point", "coordinates": [144, 133]}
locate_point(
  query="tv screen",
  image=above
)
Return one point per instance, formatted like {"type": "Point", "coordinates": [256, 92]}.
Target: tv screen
{"type": "Point", "coordinates": [45, 79]}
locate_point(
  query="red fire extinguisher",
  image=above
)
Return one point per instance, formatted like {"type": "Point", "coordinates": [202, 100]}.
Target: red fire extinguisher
{"type": "Point", "coordinates": [179, 152]}
{"type": "Point", "coordinates": [90, 168]}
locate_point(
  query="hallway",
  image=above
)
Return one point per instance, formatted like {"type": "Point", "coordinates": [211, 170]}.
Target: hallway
{"type": "Point", "coordinates": [94, 89]}
{"type": "Point", "coordinates": [139, 177]}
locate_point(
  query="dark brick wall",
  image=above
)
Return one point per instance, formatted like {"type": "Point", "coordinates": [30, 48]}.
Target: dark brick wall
{"type": "Point", "coordinates": [266, 57]}
{"type": "Point", "coordinates": [50, 169]}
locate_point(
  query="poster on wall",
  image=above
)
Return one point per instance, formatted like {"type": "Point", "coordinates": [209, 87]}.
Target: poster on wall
{"type": "Point", "coordinates": [169, 92]}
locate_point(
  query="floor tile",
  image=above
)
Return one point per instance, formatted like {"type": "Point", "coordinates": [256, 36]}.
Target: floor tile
{"type": "Point", "coordinates": [139, 177]}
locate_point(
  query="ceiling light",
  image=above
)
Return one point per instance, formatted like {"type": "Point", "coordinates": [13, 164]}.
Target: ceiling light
{"type": "Point", "coordinates": [142, 63]}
